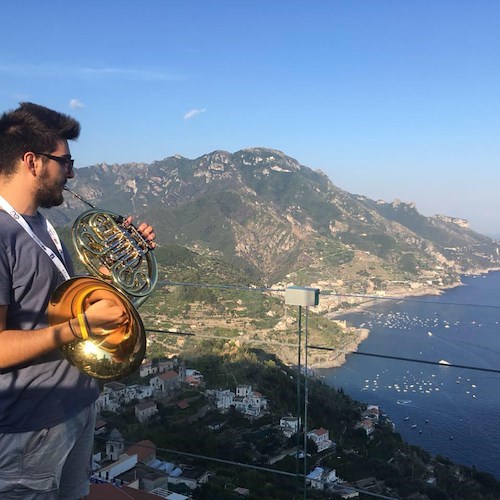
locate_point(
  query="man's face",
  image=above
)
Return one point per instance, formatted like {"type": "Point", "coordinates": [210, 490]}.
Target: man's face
{"type": "Point", "coordinates": [54, 175]}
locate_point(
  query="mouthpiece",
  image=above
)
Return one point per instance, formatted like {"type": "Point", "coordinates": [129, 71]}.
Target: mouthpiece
{"type": "Point", "coordinates": [76, 195]}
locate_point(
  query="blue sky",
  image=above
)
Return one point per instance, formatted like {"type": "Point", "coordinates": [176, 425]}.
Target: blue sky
{"type": "Point", "coordinates": [390, 98]}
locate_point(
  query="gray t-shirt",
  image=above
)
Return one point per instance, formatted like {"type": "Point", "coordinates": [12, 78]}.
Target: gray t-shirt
{"type": "Point", "coordinates": [46, 390]}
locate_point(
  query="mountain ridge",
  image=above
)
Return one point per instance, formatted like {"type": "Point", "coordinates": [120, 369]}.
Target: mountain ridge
{"type": "Point", "coordinates": [264, 212]}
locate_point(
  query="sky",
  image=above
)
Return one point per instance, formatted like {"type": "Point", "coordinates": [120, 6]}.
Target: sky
{"type": "Point", "coordinates": [392, 99]}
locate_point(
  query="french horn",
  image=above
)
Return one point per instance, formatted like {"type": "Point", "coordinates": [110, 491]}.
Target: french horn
{"type": "Point", "coordinates": [123, 268]}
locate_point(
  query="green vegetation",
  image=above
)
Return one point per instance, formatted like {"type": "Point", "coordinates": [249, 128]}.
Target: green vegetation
{"type": "Point", "coordinates": [408, 263]}
{"type": "Point", "coordinates": [204, 220]}
{"type": "Point", "coordinates": [333, 253]}
{"type": "Point", "coordinates": [259, 217]}
{"type": "Point", "coordinates": [174, 255]}
{"type": "Point", "coordinates": [274, 219]}
{"type": "Point", "coordinates": [400, 469]}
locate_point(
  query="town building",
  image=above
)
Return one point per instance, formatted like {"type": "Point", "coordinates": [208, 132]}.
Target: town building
{"type": "Point", "coordinates": [191, 477]}
{"type": "Point", "coordinates": [138, 468]}
{"type": "Point", "coordinates": [289, 426]}
{"type": "Point", "coordinates": [327, 480]}
{"type": "Point", "coordinates": [145, 451]}
{"type": "Point", "coordinates": [100, 427]}
{"type": "Point", "coordinates": [116, 394]}
{"type": "Point", "coordinates": [115, 445]}
{"type": "Point", "coordinates": [150, 367]}
{"type": "Point", "coordinates": [321, 439]}
{"type": "Point", "coordinates": [147, 368]}
{"type": "Point", "coordinates": [244, 400]}
{"type": "Point", "coordinates": [144, 411]}
{"type": "Point", "coordinates": [165, 383]}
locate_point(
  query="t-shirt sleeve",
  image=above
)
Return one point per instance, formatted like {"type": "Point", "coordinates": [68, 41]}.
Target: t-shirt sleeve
{"type": "Point", "coordinates": [5, 278]}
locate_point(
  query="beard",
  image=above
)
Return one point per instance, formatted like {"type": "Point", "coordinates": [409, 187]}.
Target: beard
{"type": "Point", "coordinates": [49, 194]}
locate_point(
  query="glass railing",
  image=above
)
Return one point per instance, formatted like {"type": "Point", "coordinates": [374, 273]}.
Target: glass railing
{"type": "Point", "coordinates": [232, 392]}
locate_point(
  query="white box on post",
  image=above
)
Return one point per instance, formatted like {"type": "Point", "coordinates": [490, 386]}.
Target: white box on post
{"type": "Point", "coordinates": [301, 296]}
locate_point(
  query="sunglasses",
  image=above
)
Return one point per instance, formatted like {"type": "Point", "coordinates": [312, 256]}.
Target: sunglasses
{"type": "Point", "coordinates": [62, 160]}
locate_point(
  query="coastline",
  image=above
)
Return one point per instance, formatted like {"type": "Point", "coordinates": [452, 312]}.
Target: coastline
{"type": "Point", "coordinates": [338, 358]}
{"type": "Point", "coordinates": [361, 334]}
{"type": "Point", "coordinates": [473, 343]}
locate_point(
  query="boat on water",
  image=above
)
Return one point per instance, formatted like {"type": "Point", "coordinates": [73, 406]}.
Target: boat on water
{"type": "Point", "coordinates": [403, 401]}
{"type": "Point", "coordinates": [414, 426]}
{"type": "Point", "coordinates": [406, 418]}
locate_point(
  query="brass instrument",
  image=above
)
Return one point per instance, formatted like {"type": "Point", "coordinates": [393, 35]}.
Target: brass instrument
{"type": "Point", "coordinates": [124, 269]}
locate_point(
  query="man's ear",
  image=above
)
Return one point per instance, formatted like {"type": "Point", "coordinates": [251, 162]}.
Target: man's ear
{"type": "Point", "coordinates": [29, 161]}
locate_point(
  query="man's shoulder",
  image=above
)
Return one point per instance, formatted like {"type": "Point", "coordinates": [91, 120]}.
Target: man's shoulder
{"type": "Point", "coordinates": [8, 225]}
{"type": "Point", "coordinates": [4, 216]}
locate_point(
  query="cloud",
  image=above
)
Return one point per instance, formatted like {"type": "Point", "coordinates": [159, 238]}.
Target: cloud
{"type": "Point", "coordinates": [86, 73]}
{"type": "Point", "coordinates": [21, 97]}
{"type": "Point", "coordinates": [76, 104]}
{"type": "Point", "coordinates": [193, 113]}
{"type": "Point", "coordinates": [127, 74]}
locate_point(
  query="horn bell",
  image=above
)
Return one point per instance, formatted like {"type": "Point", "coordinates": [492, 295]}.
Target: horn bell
{"type": "Point", "coordinates": [112, 356]}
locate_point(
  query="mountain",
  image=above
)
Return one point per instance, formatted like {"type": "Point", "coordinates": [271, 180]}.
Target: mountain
{"type": "Point", "coordinates": [278, 220]}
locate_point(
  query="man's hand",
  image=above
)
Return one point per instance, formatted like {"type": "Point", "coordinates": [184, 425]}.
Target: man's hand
{"type": "Point", "coordinates": [147, 231]}
{"type": "Point", "coordinates": [105, 313]}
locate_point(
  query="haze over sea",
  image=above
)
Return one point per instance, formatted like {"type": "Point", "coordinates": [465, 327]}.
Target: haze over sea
{"type": "Point", "coordinates": [448, 411]}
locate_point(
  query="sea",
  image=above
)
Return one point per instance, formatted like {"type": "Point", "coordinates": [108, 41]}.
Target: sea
{"type": "Point", "coordinates": [449, 411]}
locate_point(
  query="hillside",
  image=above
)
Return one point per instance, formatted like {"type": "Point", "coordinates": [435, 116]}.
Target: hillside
{"type": "Point", "coordinates": [280, 221]}
{"type": "Point", "coordinates": [380, 463]}
{"type": "Point", "coordinates": [257, 218]}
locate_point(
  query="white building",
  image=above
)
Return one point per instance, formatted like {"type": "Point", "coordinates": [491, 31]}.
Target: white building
{"type": "Point", "coordinates": [123, 464]}
{"type": "Point", "coordinates": [193, 378]}
{"type": "Point", "coordinates": [111, 397]}
{"type": "Point", "coordinates": [224, 399]}
{"type": "Point", "coordinates": [139, 392]}
{"type": "Point", "coordinates": [289, 426]}
{"type": "Point", "coordinates": [165, 365]}
{"type": "Point", "coordinates": [147, 368]}
{"type": "Point", "coordinates": [372, 412]}
{"type": "Point", "coordinates": [144, 411]}
{"type": "Point", "coordinates": [243, 390]}
{"type": "Point", "coordinates": [166, 382]}
{"type": "Point", "coordinates": [103, 402]}
{"type": "Point", "coordinates": [249, 402]}
{"type": "Point", "coordinates": [115, 389]}
{"type": "Point", "coordinates": [115, 394]}
{"type": "Point", "coordinates": [115, 445]}
{"type": "Point", "coordinates": [320, 478]}
{"type": "Point", "coordinates": [367, 425]}
{"type": "Point", "coordinates": [245, 400]}
{"type": "Point", "coordinates": [192, 478]}
{"type": "Point", "coordinates": [321, 438]}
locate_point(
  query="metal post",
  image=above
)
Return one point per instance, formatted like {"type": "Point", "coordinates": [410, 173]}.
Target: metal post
{"type": "Point", "coordinates": [301, 296]}
{"type": "Point", "coordinates": [306, 402]}
{"type": "Point", "coordinates": [298, 398]}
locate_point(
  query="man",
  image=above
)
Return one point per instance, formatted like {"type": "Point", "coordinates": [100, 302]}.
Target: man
{"type": "Point", "coordinates": [46, 405]}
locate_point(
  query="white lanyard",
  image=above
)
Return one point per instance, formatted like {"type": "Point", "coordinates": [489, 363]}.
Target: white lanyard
{"type": "Point", "coordinates": [58, 262]}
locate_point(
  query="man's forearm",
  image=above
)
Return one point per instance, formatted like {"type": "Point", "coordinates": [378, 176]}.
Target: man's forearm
{"type": "Point", "coordinates": [21, 346]}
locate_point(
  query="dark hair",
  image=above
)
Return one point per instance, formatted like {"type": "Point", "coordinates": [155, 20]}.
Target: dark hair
{"type": "Point", "coordinates": [32, 127]}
